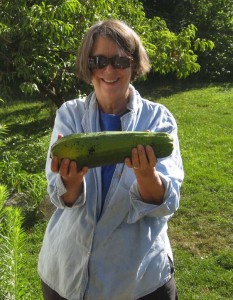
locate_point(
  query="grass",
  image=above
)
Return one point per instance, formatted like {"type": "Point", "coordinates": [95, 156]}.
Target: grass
{"type": "Point", "coordinates": [201, 230]}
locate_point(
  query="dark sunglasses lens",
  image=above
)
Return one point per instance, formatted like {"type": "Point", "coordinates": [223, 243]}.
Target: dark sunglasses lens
{"type": "Point", "coordinates": [97, 62]}
{"type": "Point", "coordinates": [121, 62]}
{"type": "Point", "coordinates": [91, 62]}
{"type": "Point", "coordinates": [101, 61]}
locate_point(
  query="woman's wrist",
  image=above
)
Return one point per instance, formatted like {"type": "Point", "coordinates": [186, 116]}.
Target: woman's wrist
{"type": "Point", "coordinates": [73, 191]}
{"type": "Point", "coordinates": [151, 188]}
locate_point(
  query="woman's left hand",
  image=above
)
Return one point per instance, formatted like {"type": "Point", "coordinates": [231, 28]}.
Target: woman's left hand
{"type": "Point", "coordinates": [143, 161]}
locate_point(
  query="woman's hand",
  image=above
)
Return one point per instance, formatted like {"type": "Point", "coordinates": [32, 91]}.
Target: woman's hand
{"type": "Point", "coordinates": [143, 161]}
{"type": "Point", "coordinates": [71, 177]}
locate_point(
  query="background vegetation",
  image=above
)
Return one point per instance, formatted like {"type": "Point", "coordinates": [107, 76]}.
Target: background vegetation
{"type": "Point", "coordinates": [189, 38]}
{"type": "Point", "coordinates": [39, 39]}
{"type": "Point", "coordinates": [213, 20]}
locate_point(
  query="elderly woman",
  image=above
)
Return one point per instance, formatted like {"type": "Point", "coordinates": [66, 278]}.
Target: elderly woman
{"type": "Point", "coordinates": [108, 236]}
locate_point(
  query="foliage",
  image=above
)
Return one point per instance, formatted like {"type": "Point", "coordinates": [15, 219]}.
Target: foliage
{"type": "Point", "coordinates": [178, 55]}
{"type": "Point", "coordinates": [3, 196]}
{"type": "Point", "coordinates": [12, 261]}
{"type": "Point", "coordinates": [18, 180]}
{"type": "Point", "coordinates": [3, 131]}
{"type": "Point", "coordinates": [38, 42]}
{"type": "Point", "coordinates": [13, 253]}
{"type": "Point", "coordinates": [213, 20]}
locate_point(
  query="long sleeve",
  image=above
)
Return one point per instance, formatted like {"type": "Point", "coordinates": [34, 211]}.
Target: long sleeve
{"type": "Point", "coordinates": [170, 170]}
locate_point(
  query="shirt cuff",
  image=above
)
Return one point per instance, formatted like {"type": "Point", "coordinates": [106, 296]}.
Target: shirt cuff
{"type": "Point", "coordinates": [60, 190]}
{"type": "Point", "coordinates": [139, 209]}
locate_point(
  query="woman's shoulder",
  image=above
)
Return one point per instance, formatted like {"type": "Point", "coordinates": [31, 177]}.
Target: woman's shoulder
{"type": "Point", "coordinates": [74, 102]}
{"type": "Point", "coordinates": [73, 109]}
{"type": "Point", "coordinates": [81, 102]}
{"type": "Point", "coordinates": [74, 106]}
{"type": "Point", "coordinates": [154, 106]}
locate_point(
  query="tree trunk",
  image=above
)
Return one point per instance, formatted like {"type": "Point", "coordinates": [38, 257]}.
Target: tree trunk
{"type": "Point", "coordinates": [57, 99]}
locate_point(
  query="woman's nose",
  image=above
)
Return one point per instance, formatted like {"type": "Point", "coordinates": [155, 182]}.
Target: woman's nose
{"type": "Point", "coordinates": [109, 67]}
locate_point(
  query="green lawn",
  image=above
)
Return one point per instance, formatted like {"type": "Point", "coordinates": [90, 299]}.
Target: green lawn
{"type": "Point", "coordinates": [201, 230]}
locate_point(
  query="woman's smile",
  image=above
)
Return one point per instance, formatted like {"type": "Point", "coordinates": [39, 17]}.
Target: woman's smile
{"type": "Point", "coordinates": [110, 81]}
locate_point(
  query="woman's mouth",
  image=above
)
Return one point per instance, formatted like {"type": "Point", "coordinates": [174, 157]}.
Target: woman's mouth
{"type": "Point", "coordinates": [110, 81]}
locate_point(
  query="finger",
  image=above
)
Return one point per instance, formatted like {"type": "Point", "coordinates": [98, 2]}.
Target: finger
{"type": "Point", "coordinates": [143, 160]}
{"type": "Point", "coordinates": [151, 156]}
{"type": "Point", "coordinates": [73, 170]}
{"type": "Point", "coordinates": [64, 167]}
{"type": "Point", "coordinates": [55, 164]}
{"type": "Point", "coordinates": [84, 170]}
{"type": "Point", "coordinates": [128, 163]}
{"type": "Point", "coordinates": [135, 158]}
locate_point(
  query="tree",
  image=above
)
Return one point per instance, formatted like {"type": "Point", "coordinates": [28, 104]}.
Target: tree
{"type": "Point", "coordinates": [39, 40]}
{"type": "Point", "coordinates": [213, 20]}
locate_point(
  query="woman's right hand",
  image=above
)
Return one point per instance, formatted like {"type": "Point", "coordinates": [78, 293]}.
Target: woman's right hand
{"type": "Point", "coordinates": [71, 177]}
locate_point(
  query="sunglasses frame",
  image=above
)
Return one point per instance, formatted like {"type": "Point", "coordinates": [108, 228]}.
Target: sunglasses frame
{"type": "Point", "coordinates": [117, 62]}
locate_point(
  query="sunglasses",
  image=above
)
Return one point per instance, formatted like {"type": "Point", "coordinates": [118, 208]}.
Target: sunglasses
{"type": "Point", "coordinates": [100, 62]}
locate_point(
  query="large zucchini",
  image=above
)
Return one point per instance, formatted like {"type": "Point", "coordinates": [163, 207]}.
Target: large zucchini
{"type": "Point", "coordinates": [109, 147]}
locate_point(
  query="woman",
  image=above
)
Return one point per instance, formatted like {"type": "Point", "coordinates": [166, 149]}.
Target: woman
{"type": "Point", "coordinates": [108, 237]}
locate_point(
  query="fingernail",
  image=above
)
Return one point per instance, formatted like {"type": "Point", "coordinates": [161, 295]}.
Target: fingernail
{"type": "Point", "coordinates": [140, 148]}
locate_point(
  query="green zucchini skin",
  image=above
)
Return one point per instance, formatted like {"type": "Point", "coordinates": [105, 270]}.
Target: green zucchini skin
{"type": "Point", "coordinates": [109, 147]}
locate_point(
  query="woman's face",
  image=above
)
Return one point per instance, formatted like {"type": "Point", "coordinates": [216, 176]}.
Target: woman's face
{"type": "Point", "coordinates": [111, 84]}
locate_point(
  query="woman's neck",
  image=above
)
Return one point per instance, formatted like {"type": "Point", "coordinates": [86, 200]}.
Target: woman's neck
{"type": "Point", "coordinates": [113, 108]}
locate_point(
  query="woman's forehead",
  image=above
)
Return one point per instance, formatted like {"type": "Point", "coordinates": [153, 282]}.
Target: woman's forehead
{"type": "Point", "coordinates": [103, 45]}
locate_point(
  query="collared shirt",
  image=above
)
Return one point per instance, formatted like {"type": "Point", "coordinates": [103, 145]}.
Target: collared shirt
{"type": "Point", "coordinates": [120, 250]}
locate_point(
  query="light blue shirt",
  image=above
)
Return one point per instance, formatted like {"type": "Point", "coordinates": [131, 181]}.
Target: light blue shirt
{"type": "Point", "coordinates": [120, 251]}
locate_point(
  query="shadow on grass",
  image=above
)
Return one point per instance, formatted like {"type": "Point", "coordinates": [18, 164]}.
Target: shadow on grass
{"type": "Point", "coordinates": [26, 118]}
{"type": "Point", "coordinates": [155, 88]}
{"type": "Point", "coordinates": [21, 108]}
{"type": "Point", "coordinates": [36, 127]}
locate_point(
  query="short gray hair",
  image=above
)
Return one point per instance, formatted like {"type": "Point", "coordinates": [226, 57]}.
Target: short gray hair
{"type": "Point", "coordinates": [125, 37]}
